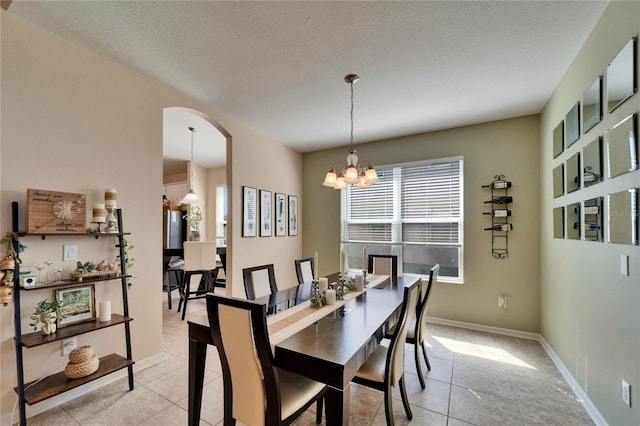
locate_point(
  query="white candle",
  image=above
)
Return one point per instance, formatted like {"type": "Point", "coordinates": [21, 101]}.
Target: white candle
{"type": "Point", "coordinates": [364, 258]}
{"type": "Point", "coordinates": [323, 284]}
{"type": "Point", "coordinates": [342, 262]}
{"type": "Point", "coordinates": [315, 274]}
{"type": "Point", "coordinates": [105, 311]}
{"type": "Point", "coordinates": [110, 197]}
{"type": "Point", "coordinates": [359, 282]}
{"type": "Point", "coordinates": [99, 213]}
{"type": "Point", "coordinates": [330, 295]}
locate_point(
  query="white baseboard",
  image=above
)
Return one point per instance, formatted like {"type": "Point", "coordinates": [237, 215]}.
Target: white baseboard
{"type": "Point", "coordinates": [571, 381]}
{"type": "Point", "coordinates": [33, 410]}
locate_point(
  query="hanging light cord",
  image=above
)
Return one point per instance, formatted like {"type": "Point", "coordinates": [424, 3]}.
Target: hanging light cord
{"type": "Point", "coordinates": [192, 129]}
{"type": "Point", "coordinates": [351, 143]}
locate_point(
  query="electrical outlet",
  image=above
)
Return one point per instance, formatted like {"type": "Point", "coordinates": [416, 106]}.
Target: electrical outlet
{"type": "Point", "coordinates": [626, 393]}
{"type": "Point", "coordinates": [68, 345]}
{"type": "Point", "coordinates": [502, 301]}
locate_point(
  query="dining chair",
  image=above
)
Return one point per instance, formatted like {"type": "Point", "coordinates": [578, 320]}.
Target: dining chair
{"type": "Point", "coordinates": [304, 269]}
{"type": "Point", "coordinates": [416, 335]}
{"type": "Point", "coordinates": [259, 281]}
{"type": "Point", "coordinates": [255, 391]}
{"type": "Point", "coordinates": [221, 282]}
{"type": "Point", "coordinates": [383, 264]}
{"type": "Point", "coordinates": [199, 261]}
{"type": "Point", "coordinates": [385, 366]}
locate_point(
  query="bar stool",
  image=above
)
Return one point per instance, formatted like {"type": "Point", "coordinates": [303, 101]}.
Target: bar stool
{"type": "Point", "coordinates": [199, 259]}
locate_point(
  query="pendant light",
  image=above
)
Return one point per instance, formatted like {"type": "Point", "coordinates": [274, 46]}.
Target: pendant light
{"type": "Point", "coordinates": [353, 171]}
{"type": "Point", "coordinates": [191, 197]}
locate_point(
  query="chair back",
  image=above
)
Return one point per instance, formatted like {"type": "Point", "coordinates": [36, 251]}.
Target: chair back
{"type": "Point", "coordinates": [239, 331]}
{"type": "Point", "coordinates": [395, 354]}
{"type": "Point", "coordinates": [259, 281]}
{"type": "Point", "coordinates": [199, 255]}
{"type": "Point", "coordinates": [421, 309]}
{"type": "Point", "coordinates": [304, 269]}
{"type": "Point", "coordinates": [383, 264]}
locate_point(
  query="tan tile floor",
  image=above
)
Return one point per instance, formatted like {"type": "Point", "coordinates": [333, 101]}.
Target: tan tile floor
{"type": "Point", "coordinates": [476, 378]}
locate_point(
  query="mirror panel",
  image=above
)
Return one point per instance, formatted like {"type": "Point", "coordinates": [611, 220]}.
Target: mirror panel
{"type": "Point", "coordinates": [622, 147]}
{"type": "Point", "coordinates": [558, 139]}
{"type": "Point", "coordinates": [592, 210]}
{"type": "Point", "coordinates": [558, 222]}
{"type": "Point", "coordinates": [592, 163]}
{"type": "Point", "coordinates": [621, 80]}
{"type": "Point", "coordinates": [573, 221]}
{"type": "Point", "coordinates": [573, 173]}
{"type": "Point", "coordinates": [572, 125]}
{"type": "Point", "coordinates": [558, 181]}
{"type": "Point", "coordinates": [592, 105]}
{"type": "Point", "coordinates": [623, 217]}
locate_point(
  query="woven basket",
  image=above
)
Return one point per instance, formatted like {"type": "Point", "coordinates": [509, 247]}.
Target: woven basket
{"type": "Point", "coordinates": [83, 369]}
{"type": "Point", "coordinates": [81, 354]}
{"type": "Point", "coordinates": [93, 274]}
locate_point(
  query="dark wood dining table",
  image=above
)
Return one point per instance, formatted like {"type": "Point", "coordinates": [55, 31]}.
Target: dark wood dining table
{"type": "Point", "coordinates": [330, 351]}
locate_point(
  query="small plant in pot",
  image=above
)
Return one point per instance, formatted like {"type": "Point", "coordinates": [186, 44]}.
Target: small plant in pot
{"type": "Point", "coordinates": [46, 313]}
{"type": "Point", "coordinates": [194, 218]}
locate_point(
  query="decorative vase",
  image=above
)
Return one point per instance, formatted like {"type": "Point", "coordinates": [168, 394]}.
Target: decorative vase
{"type": "Point", "coordinates": [6, 294]}
{"type": "Point", "coordinates": [195, 235]}
{"type": "Point", "coordinates": [48, 323]}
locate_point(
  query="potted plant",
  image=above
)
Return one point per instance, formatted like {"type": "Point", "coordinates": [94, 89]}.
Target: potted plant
{"type": "Point", "coordinates": [194, 217]}
{"type": "Point", "coordinates": [46, 313]}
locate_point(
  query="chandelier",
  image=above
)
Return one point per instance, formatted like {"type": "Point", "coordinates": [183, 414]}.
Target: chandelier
{"type": "Point", "coordinates": [191, 197]}
{"type": "Point", "coordinates": [353, 171]}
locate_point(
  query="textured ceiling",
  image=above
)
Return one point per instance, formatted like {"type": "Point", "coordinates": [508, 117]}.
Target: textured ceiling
{"type": "Point", "coordinates": [278, 67]}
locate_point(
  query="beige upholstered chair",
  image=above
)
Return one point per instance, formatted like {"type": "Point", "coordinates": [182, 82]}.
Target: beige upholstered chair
{"type": "Point", "coordinates": [383, 264]}
{"type": "Point", "coordinates": [385, 366]}
{"type": "Point", "coordinates": [418, 325]}
{"type": "Point", "coordinates": [259, 281]}
{"type": "Point", "coordinates": [304, 269]}
{"type": "Point", "coordinates": [256, 392]}
{"type": "Point", "coordinates": [199, 262]}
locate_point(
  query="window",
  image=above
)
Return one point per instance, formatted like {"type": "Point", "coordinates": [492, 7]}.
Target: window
{"type": "Point", "coordinates": [415, 211]}
{"type": "Point", "coordinates": [221, 215]}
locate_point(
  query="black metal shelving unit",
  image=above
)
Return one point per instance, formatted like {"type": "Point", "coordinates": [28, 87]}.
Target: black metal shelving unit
{"type": "Point", "coordinates": [55, 384]}
{"type": "Point", "coordinates": [500, 225]}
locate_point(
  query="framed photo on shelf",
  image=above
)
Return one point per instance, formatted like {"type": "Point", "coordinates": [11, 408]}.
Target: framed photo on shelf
{"type": "Point", "coordinates": [249, 211]}
{"type": "Point", "coordinates": [77, 304]}
{"type": "Point", "coordinates": [265, 213]}
{"type": "Point", "coordinates": [281, 215]}
{"type": "Point", "coordinates": [293, 215]}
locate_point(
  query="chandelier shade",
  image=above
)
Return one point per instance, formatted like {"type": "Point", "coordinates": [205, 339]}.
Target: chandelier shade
{"type": "Point", "coordinates": [352, 171]}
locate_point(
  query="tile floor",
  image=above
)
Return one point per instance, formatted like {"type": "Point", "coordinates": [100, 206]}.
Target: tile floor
{"type": "Point", "coordinates": [477, 378]}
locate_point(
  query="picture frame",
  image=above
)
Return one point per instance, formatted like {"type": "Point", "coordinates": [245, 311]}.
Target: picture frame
{"type": "Point", "coordinates": [293, 215]}
{"type": "Point", "coordinates": [249, 211]}
{"type": "Point", "coordinates": [266, 223]}
{"type": "Point", "coordinates": [77, 304]}
{"type": "Point", "coordinates": [281, 215]}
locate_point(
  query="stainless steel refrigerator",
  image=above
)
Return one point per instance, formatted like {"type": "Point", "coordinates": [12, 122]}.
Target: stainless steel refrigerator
{"type": "Point", "coordinates": [174, 229]}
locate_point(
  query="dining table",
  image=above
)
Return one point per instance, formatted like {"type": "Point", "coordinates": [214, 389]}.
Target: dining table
{"type": "Point", "coordinates": [327, 344]}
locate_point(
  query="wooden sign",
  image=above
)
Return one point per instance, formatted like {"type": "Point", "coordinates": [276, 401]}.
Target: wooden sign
{"type": "Point", "coordinates": [52, 212]}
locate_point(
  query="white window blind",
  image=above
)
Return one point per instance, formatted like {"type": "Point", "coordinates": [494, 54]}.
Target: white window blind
{"type": "Point", "coordinates": [414, 211]}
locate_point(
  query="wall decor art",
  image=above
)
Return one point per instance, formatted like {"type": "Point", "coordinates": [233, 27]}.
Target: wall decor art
{"type": "Point", "coordinates": [266, 219]}
{"type": "Point", "coordinates": [53, 212]}
{"type": "Point", "coordinates": [249, 211]}
{"type": "Point", "coordinates": [622, 147]}
{"type": "Point", "coordinates": [293, 215]}
{"type": "Point", "coordinates": [592, 225]}
{"type": "Point", "coordinates": [623, 217]}
{"type": "Point", "coordinates": [558, 222]}
{"type": "Point", "coordinates": [573, 221]}
{"type": "Point", "coordinates": [558, 181]}
{"type": "Point", "coordinates": [621, 76]}
{"type": "Point", "coordinates": [77, 304]}
{"type": "Point", "coordinates": [572, 173]}
{"type": "Point", "coordinates": [592, 163]}
{"type": "Point", "coordinates": [572, 125]}
{"type": "Point", "coordinates": [592, 105]}
{"type": "Point", "coordinates": [281, 215]}
{"type": "Point", "coordinates": [558, 139]}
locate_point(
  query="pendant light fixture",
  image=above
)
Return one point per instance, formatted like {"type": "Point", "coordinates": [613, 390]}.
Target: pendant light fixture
{"type": "Point", "coordinates": [191, 197]}
{"type": "Point", "coordinates": [354, 171]}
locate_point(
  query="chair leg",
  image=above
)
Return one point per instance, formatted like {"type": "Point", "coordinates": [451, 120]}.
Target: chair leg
{"type": "Point", "coordinates": [319, 410]}
{"type": "Point", "coordinates": [416, 356]}
{"type": "Point", "coordinates": [426, 358]}
{"type": "Point", "coordinates": [405, 399]}
{"type": "Point", "coordinates": [185, 292]}
{"type": "Point", "coordinates": [388, 408]}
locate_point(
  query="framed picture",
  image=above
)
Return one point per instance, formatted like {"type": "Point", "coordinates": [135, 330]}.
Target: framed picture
{"type": "Point", "coordinates": [249, 211]}
{"type": "Point", "coordinates": [281, 215]}
{"type": "Point", "coordinates": [265, 213]}
{"type": "Point", "coordinates": [77, 304]}
{"type": "Point", "coordinates": [293, 215]}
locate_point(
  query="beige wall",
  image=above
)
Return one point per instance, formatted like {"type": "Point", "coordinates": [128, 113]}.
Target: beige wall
{"type": "Point", "coordinates": [590, 313]}
{"type": "Point", "coordinates": [73, 121]}
{"type": "Point", "coordinates": [508, 147]}
{"type": "Point", "coordinates": [215, 177]}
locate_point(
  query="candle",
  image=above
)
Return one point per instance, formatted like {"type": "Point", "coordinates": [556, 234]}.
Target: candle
{"type": "Point", "coordinates": [364, 258]}
{"type": "Point", "coordinates": [105, 311]}
{"type": "Point", "coordinates": [315, 273]}
{"type": "Point", "coordinates": [330, 295]}
{"type": "Point", "coordinates": [323, 284]}
{"type": "Point", "coordinates": [341, 262]}
{"type": "Point", "coordinates": [359, 282]}
{"type": "Point", "coordinates": [99, 213]}
{"type": "Point", "coordinates": [110, 197]}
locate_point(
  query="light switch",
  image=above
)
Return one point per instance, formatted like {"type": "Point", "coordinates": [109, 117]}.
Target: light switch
{"type": "Point", "coordinates": [69, 253]}
{"type": "Point", "coordinates": [624, 265]}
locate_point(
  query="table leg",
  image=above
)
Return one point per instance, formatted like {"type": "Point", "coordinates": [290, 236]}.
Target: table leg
{"type": "Point", "coordinates": [197, 360]}
{"type": "Point", "coordinates": [338, 401]}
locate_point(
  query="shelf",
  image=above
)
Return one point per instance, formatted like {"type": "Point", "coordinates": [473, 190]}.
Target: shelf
{"type": "Point", "coordinates": [57, 383]}
{"type": "Point", "coordinates": [73, 283]}
{"type": "Point", "coordinates": [96, 235]}
{"type": "Point", "coordinates": [34, 339]}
